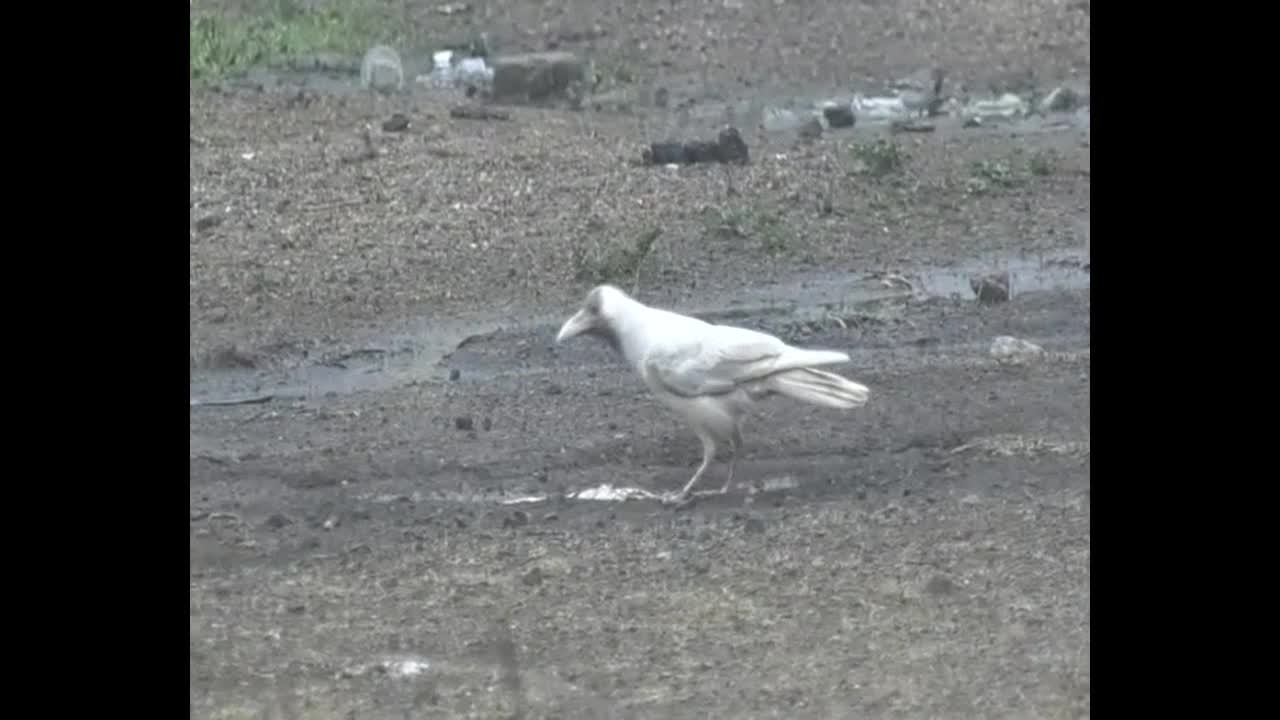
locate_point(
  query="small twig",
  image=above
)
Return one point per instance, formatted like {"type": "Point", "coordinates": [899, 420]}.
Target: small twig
{"type": "Point", "coordinates": [254, 400]}
{"type": "Point", "coordinates": [648, 241]}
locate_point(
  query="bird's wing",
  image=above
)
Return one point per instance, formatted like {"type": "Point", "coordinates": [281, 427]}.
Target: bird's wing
{"type": "Point", "coordinates": [713, 362]}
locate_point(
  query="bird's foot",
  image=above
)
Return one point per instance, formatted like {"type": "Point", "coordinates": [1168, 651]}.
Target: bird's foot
{"type": "Point", "coordinates": [677, 499]}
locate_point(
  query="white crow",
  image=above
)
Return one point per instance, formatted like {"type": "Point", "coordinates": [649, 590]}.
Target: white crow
{"type": "Point", "coordinates": [712, 375]}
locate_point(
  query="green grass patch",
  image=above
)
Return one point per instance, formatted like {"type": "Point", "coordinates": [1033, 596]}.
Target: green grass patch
{"type": "Point", "coordinates": [227, 41]}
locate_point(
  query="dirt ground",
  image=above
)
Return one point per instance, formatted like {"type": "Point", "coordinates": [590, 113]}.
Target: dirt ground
{"type": "Point", "coordinates": [357, 548]}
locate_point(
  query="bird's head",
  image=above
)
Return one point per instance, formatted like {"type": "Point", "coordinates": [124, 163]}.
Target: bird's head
{"type": "Point", "coordinates": [597, 315]}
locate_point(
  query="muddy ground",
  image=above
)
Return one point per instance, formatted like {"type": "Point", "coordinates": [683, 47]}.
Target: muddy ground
{"type": "Point", "coordinates": [360, 544]}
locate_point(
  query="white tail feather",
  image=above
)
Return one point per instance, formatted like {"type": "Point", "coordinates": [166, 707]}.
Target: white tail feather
{"type": "Point", "coordinates": [819, 387]}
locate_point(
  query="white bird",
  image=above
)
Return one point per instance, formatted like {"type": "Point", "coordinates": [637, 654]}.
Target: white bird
{"type": "Point", "coordinates": [711, 375]}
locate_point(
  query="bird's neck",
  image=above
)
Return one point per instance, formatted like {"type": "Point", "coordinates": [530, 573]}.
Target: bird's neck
{"type": "Point", "coordinates": [629, 327]}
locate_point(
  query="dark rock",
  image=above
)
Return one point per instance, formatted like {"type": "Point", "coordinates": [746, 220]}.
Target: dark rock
{"type": "Point", "coordinates": [208, 222]}
{"type": "Point", "coordinates": [218, 315]}
{"type": "Point", "coordinates": [991, 289]}
{"type": "Point", "coordinates": [733, 149]}
{"type": "Point", "coordinates": [486, 424]}
{"type": "Point", "coordinates": [533, 578]}
{"type": "Point", "coordinates": [464, 423]}
{"type": "Point", "coordinates": [278, 521]}
{"type": "Point", "coordinates": [753, 525]}
{"type": "Point", "coordinates": [839, 116]}
{"type": "Point", "coordinates": [940, 585]}
{"type": "Point", "coordinates": [454, 374]}
{"type": "Point", "coordinates": [396, 123]}
{"type": "Point", "coordinates": [519, 518]}
{"type": "Point", "coordinates": [296, 609]}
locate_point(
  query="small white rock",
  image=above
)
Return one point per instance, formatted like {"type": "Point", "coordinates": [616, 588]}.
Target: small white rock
{"type": "Point", "coordinates": [1011, 349]}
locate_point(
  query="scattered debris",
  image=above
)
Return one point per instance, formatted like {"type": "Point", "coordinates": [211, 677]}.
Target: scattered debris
{"type": "Point", "coordinates": [777, 119]}
{"type": "Point", "coordinates": [399, 668]}
{"type": "Point", "coordinates": [476, 111]}
{"type": "Point", "coordinates": [922, 94]}
{"type": "Point", "coordinates": [398, 122]}
{"type": "Point", "coordinates": [991, 289]}
{"type": "Point", "coordinates": [448, 9]}
{"type": "Point", "coordinates": [381, 70]}
{"type": "Point", "coordinates": [839, 116]}
{"type": "Point", "coordinates": [473, 73]}
{"type": "Point", "coordinates": [609, 492]}
{"type": "Point", "coordinates": [1010, 349]}
{"type": "Point", "coordinates": [729, 147]}
{"type": "Point", "coordinates": [1004, 107]}
{"type": "Point", "coordinates": [1061, 99]}
{"type": "Point", "coordinates": [879, 108]}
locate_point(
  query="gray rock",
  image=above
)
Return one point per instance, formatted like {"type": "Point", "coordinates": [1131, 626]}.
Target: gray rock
{"type": "Point", "coordinates": [381, 70]}
{"type": "Point", "coordinates": [839, 116]}
{"type": "Point", "coordinates": [537, 77]}
{"type": "Point", "coordinates": [810, 129]}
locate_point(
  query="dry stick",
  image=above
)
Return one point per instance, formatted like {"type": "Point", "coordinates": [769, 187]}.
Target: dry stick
{"type": "Point", "coordinates": [652, 238]}
{"type": "Point", "coordinates": [254, 400]}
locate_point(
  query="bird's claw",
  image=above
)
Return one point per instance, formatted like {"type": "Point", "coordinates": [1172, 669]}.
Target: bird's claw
{"type": "Point", "coordinates": [677, 499]}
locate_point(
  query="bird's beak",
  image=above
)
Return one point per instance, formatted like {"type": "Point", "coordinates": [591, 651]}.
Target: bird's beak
{"type": "Point", "coordinates": [575, 325]}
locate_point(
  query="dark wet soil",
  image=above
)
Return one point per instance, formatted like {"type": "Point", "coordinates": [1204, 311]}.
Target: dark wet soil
{"type": "Point", "coordinates": [379, 521]}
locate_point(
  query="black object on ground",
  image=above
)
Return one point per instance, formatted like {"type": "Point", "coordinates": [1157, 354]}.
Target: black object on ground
{"type": "Point", "coordinates": [729, 147]}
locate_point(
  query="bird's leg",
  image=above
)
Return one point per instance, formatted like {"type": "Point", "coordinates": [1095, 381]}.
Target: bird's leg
{"type": "Point", "coordinates": [735, 443]}
{"type": "Point", "coordinates": [708, 454]}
